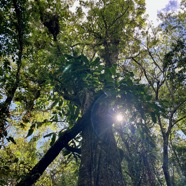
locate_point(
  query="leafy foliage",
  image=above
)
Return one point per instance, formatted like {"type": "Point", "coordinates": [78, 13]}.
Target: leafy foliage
{"type": "Point", "coordinates": [57, 63]}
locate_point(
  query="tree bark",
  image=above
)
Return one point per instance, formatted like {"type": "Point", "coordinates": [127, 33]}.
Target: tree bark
{"type": "Point", "coordinates": [166, 161]}
{"type": "Point", "coordinates": [100, 158]}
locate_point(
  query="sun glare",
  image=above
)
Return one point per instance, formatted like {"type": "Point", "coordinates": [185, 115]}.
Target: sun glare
{"type": "Point", "coordinates": [119, 117]}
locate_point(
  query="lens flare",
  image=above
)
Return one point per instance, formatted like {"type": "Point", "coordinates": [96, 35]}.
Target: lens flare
{"type": "Point", "coordinates": [119, 117]}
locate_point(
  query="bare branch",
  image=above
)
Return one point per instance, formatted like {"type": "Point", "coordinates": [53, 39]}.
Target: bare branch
{"type": "Point", "coordinates": [171, 123]}
{"type": "Point", "coordinates": [177, 107]}
{"type": "Point", "coordinates": [119, 17]}
{"type": "Point", "coordinates": [180, 119]}
{"type": "Point", "coordinates": [152, 57]}
{"type": "Point", "coordinates": [145, 73]}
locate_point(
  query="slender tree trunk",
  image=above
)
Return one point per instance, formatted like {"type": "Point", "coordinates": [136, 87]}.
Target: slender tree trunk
{"type": "Point", "coordinates": [100, 160]}
{"type": "Point", "coordinates": [166, 160]}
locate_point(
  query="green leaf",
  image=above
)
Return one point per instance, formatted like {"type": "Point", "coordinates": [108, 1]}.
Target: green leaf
{"type": "Point", "coordinates": [50, 134]}
{"type": "Point", "coordinates": [6, 167]}
{"type": "Point", "coordinates": [61, 132]}
{"type": "Point", "coordinates": [96, 61]}
{"type": "Point", "coordinates": [66, 152]}
{"type": "Point", "coordinates": [16, 160]}
{"type": "Point", "coordinates": [54, 103]}
{"type": "Point", "coordinates": [11, 139]}
{"type": "Point", "coordinates": [84, 58]}
{"type": "Point", "coordinates": [53, 139]}
{"type": "Point", "coordinates": [77, 112]}
{"type": "Point", "coordinates": [153, 116]}
{"type": "Point", "coordinates": [60, 103]}
{"type": "Point", "coordinates": [31, 130]}
{"type": "Point", "coordinates": [113, 69]}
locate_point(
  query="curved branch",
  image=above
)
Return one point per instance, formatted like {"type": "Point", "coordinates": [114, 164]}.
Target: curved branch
{"type": "Point", "coordinates": [145, 73]}
{"type": "Point", "coordinates": [180, 119]}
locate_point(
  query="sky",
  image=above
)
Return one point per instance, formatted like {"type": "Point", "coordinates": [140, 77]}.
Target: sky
{"type": "Point", "coordinates": [153, 6]}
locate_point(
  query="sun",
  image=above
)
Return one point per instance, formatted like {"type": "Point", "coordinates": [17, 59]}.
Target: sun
{"type": "Point", "coordinates": [119, 117]}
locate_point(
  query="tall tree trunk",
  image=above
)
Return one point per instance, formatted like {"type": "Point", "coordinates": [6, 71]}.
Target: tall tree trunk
{"type": "Point", "coordinates": [166, 160]}
{"type": "Point", "coordinates": [100, 160]}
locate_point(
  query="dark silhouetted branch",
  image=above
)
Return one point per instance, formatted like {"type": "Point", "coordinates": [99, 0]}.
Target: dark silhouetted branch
{"type": "Point", "coordinates": [52, 153]}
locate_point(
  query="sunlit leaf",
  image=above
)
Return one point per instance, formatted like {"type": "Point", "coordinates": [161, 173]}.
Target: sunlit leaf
{"type": "Point", "coordinates": [31, 130]}
{"type": "Point", "coordinates": [53, 139]}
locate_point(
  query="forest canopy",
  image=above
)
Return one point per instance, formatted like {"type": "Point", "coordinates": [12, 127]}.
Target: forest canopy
{"type": "Point", "coordinates": [92, 94]}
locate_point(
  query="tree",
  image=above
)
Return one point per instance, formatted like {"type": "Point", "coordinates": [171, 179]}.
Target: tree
{"type": "Point", "coordinates": [163, 52]}
{"type": "Point", "coordinates": [71, 69]}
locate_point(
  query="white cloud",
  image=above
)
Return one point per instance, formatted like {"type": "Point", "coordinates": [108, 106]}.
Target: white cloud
{"type": "Point", "coordinates": [153, 6]}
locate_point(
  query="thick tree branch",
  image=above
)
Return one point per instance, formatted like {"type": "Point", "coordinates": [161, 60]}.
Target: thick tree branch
{"type": "Point", "coordinates": [175, 153]}
{"type": "Point", "coordinates": [161, 127]}
{"type": "Point", "coordinates": [52, 153]}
